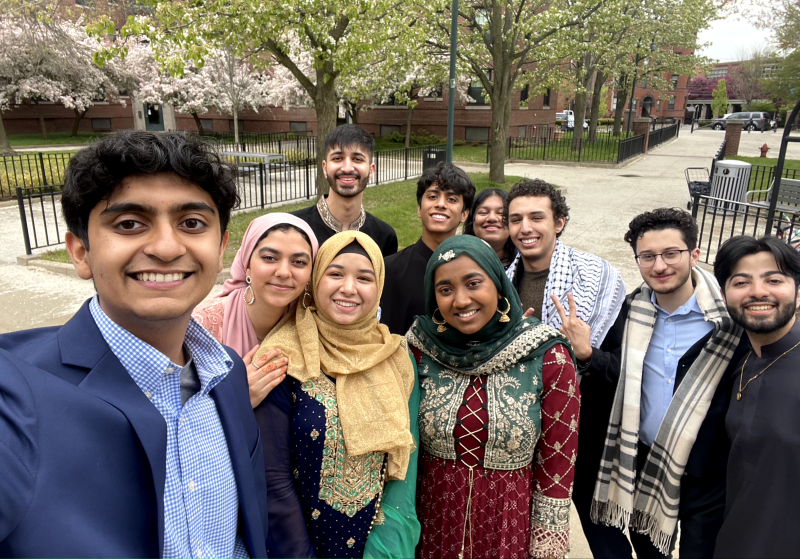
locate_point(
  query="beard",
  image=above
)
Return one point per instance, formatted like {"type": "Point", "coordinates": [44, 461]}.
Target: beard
{"type": "Point", "coordinates": [680, 279]}
{"type": "Point", "coordinates": [764, 325]}
{"type": "Point", "coordinates": [348, 192]}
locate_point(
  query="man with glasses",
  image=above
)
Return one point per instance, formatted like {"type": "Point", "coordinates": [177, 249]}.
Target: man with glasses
{"type": "Point", "coordinates": [663, 395]}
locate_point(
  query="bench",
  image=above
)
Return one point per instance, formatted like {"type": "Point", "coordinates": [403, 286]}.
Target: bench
{"type": "Point", "coordinates": [788, 196]}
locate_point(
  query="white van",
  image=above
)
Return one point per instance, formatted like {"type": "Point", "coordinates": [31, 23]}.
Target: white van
{"type": "Point", "coordinates": [568, 117]}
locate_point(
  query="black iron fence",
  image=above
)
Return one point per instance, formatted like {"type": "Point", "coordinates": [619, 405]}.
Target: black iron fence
{"type": "Point", "coordinates": [294, 146]}
{"type": "Point", "coordinates": [262, 180]}
{"type": "Point", "coordinates": [31, 170]}
{"type": "Point", "coordinates": [660, 135]}
{"type": "Point", "coordinates": [630, 147]}
{"type": "Point", "coordinates": [762, 177]}
{"type": "Point", "coordinates": [719, 219]}
{"type": "Point", "coordinates": [550, 143]}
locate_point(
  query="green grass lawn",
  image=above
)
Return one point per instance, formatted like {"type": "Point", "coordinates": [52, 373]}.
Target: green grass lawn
{"type": "Point", "coordinates": [54, 139]}
{"type": "Point", "coordinates": [760, 179]}
{"type": "Point", "coordinates": [471, 153]}
{"type": "Point", "coordinates": [394, 203]}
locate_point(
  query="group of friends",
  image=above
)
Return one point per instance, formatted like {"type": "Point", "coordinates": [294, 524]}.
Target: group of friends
{"type": "Point", "coordinates": [340, 399]}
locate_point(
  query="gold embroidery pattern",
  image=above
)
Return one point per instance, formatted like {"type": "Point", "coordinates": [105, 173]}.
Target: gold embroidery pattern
{"type": "Point", "coordinates": [549, 526]}
{"type": "Point", "coordinates": [347, 483]}
{"type": "Point", "coordinates": [437, 418]}
{"type": "Point", "coordinates": [380, 518]}
{"type": "Point", "coordinates": [512, 432]}
{"type": "Point", "coordinates": [314, 434]}
{"type": "Point", "coordinates": [351, 542]}
{"type": "Point", "coordinates": [315, 514]}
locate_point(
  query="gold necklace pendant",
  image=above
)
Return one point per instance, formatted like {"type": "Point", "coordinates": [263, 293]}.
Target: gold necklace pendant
{"type": "Point", "coordinates": [764, 370]}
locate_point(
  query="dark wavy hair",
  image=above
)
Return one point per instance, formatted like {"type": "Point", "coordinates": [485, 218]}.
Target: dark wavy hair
{"type": "Point", "coordinates": [660, 219]}
{"type": "Point", "coordinates": [449, 178]}
{"type": "Point", "coordinates": [540, 189]}
{"type": "Point", "coordinates": [469, 225]}
{"type": "Point", "coordinates": [736, 248]}
{"type": "Point", "coordinates": [96, 172]}
{"type": "Point", "coordinates": [350, 136]}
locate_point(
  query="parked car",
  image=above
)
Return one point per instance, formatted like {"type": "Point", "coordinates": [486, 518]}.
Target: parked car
{"type": "Point", "coordinates": [753, 121]}
{"type": "Point", "coordinates": [568, 118]}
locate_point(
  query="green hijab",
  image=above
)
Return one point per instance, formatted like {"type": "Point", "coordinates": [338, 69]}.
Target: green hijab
{"type": "Point", "coordinates": [482, 345]}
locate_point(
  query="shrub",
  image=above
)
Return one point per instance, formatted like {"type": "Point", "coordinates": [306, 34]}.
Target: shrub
{"type": "Point", "coordinates": [459, 143]}
{"type": "Point", "coordinates": [296, 155]}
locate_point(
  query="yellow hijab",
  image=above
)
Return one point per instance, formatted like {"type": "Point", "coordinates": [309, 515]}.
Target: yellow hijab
{"type": "Point", "coordinates": [373, 371]}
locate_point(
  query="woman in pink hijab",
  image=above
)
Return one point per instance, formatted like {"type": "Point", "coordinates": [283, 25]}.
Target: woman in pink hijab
{"type": "Point", "coordinates": [268, 276]}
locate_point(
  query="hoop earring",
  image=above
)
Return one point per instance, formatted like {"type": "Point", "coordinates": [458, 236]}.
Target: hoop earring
{"type": "Point", "coordinates": [250, 289]}
{"type": "Point", "coordinates": [440, 326]}
{"type": "Point", "coordinates": [307, 294]}
{"type": "Point", "coordinates": [504, 314]}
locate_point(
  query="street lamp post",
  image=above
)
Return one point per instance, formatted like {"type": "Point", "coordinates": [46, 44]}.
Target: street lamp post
{"type": "Point", "coordinates": [451, 100]}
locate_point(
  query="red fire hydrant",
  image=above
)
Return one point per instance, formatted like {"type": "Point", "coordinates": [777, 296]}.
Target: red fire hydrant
{"type": "Point", "coordinates": [764, 150]}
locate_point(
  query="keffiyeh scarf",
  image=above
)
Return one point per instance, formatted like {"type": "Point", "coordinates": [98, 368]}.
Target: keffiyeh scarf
{"type": "Point", "coordinates": [651, 505]}
{"type": "Point", "coordinates": [596, 286]}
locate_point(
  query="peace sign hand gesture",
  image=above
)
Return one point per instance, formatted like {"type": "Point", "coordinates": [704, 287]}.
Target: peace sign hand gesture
{"type": "Point", "coordinates": [578, 332]}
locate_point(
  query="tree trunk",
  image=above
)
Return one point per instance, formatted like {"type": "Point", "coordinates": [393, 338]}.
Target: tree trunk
{"type": "Point", "coordinates": [497, 147]}
{"type": "Point", "coordinates": [594, 115]}
{"type": "Point", "coordinates": [325, 105]}
{"type": "Point", "coordinates": [196, 118]}
{"type": "Point", "coordinates": [35, 106]}
{"type": "Point", "coordinates": [408, 126]}
{"type": "Point", "coordinates": [77, 121]}
{"type": "Point", "coordinates": [619, 110]}
{"type": "Point", "coordinates": [5, 145]}
{"type": "Point", "coordinates": [235, 125]}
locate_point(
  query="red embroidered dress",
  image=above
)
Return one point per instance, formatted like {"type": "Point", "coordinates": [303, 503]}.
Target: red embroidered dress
{"type": "Point", "coordinates": [469, 510]}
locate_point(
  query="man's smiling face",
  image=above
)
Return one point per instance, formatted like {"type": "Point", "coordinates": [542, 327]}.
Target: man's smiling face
{"type": "Point", "coordinates": [441, 211]}
{"type": "Point", "coordinates": [155, 248]}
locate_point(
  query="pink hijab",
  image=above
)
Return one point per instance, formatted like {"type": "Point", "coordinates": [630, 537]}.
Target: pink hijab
{"type": "Point", "coordinates": [237, 330]}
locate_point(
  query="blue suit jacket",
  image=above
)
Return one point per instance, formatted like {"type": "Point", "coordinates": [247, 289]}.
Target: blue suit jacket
{"type": "Point", "coordinates": [83, 451]}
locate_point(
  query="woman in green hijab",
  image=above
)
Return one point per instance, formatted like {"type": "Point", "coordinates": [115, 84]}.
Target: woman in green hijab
{"type": "Point", "coordinates": [498, 414]}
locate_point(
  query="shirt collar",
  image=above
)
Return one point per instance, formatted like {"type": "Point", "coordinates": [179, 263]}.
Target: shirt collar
{"type": "Point", "coordinates": [689, 306]}
{"type": "Point", "coordinates": [146, 365]}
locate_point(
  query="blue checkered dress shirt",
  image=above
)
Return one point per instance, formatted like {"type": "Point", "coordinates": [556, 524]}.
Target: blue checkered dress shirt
{"type": "Point", "coordinates": [201, 505]}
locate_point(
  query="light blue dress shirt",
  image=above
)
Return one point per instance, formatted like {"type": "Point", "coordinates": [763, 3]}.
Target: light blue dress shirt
{"type": "Point", "coordinates": [673, 335]}
{"type": "Point", "coordinates": [201, 504]}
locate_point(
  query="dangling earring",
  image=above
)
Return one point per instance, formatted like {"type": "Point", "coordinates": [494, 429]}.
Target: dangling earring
{"type": "Point", "coordinates": [307, 294]}
{"type": "Point", "coordinates": [504, 314]}
{"type": "Point", "coordinates": [250, 289]}
{"type": "Point", "coordinates": [440, 326]}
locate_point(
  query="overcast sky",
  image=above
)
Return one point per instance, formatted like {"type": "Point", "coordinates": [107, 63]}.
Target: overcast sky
{"type": "Point", "coordinates": [729, 35]}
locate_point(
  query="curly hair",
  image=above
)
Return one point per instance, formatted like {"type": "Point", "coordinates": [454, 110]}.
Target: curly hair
{"type": "Point", "coordinates": [469, 224]}
{"type": "Point", "coordinates": [448, 178]}
{"type": "Point", "coordinates": [660, 219]}
{"type": "Point", "coordinates": [96, 172]}
{"type": "Point", "coordinates": [540, 189]}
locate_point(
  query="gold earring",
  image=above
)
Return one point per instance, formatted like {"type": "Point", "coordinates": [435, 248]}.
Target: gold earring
{"type": "Point", "coordinates": [307, 294]}
{"type": "Point", "coordinates": [440, 326]}
{"type": "Point", "coordinates": [504, 314]}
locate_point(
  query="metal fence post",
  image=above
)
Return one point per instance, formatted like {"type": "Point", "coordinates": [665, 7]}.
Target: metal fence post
{"type": "Point", "coordinates": [44, 173]}
{"type": "Point", "coordinates": [487, 152]}
{"type": "Point", "coordinates": [261, 171]}
{"type": "Point", "coordinates": [377, 168]}
{"type": "Point", "coordinates": [308, 178]}
{"type": "Point", "coordinates": [406, 164]}
{"type": "Point", "coordinates": [24, 221]}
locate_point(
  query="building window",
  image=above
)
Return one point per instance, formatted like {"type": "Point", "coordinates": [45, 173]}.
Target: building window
{"type": "Point", "coordinates": [674, 82]}
{"type": "Point", "coordinates": [476, 134]}
{"type": "Point", "coordinates": [671, 105]}
{"type": "Point", "coordinates": [299, 127]}
{"type": "Point", "coordinates": [387, 129]}
{"type": "Point", "coordinates": [206, 125]}
{"type": "Point", "coordinates": [613, 103]}
{"type": "Point", "coordinates": [635, 104]}
{"type": "Point", "coordinates": [100, 124]}
{"type": "Point", "coordinates": [658, 105]}
{"type": "Point", "coordinates": [718, 73]}
{"type": "Point", "coordinates": [522, 131]}
{"type": "Point", "coordinates": [546, 99]}
{"type": "Point", "coordinates": [241, 125]}
{"type": "Point", "coordinates": [435, 93]}
{"type": "Point", "coordinates": [476, 91]}
{"type": "Point", "coordinates": [523, 94]}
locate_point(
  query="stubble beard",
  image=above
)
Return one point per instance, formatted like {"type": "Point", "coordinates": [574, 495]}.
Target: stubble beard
{"type": "Point", "coordinates": [357, 189]}
{"type": "Point", "coordinates": [764, 325]}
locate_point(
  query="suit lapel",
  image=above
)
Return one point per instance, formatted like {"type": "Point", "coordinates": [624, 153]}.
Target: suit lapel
{"type": "Point", "coordinates": [83, 345]}
{"type": "Point", "coordinates": [230, 418]}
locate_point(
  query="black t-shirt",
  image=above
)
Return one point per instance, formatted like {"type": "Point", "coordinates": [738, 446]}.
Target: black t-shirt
{"type": "Point", "coordinates": [404, 289]}
{"type": "Point", "coordinates": [380, 231]}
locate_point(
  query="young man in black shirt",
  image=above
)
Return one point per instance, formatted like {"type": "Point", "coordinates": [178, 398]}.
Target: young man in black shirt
{"type": "Point", "coordinates": [348, 167]}
{"type": "Point", "coordinates": [444, 197]}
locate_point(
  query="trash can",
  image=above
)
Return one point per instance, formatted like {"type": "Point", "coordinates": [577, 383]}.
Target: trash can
{"type": "Point", "coordinates": [432, 156]}
{"type": "Point", "coordinates": [730, 181]}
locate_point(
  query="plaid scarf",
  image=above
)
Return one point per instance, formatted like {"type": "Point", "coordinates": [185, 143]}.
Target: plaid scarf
{"type": "Point", "coordinates": [596, 286]}
{"type": "Point", "coordinates": [651, 505]}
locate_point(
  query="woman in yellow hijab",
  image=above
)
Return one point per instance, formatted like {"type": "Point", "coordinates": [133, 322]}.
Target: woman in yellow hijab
{"type": "Point", "coordinates": [340, 434]}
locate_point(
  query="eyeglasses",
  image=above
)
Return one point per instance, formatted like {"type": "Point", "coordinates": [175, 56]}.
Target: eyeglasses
{"type": "Point", "coordinates": [669, 257]}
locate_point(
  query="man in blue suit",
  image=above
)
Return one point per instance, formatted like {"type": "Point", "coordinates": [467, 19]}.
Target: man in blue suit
{"type": "Point", "coordinates": [128, 431]}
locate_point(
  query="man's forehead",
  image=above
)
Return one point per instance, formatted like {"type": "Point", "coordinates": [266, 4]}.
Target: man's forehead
{"type": "Point", "coordinates": [441, 188]}
{"type": "Point", "coordinates": [352, 148]}
{"type": "Point", "coordinates": [756, 265]}
{"type": "Point", "coordinates": [162, 190]}
{"type": "Point", "coordinates": [528, 204]}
